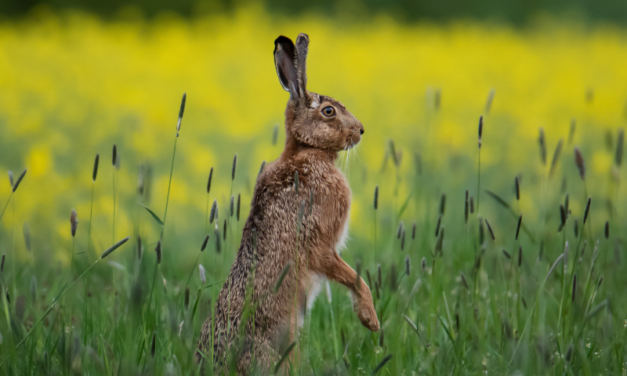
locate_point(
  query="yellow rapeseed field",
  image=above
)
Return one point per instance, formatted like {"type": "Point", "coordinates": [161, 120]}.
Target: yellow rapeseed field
{"type": "Point", "coordinates": [72, 85]}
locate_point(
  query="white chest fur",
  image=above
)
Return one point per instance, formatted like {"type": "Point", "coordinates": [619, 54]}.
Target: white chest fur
{"type": "Point", "coordinates": [341, 243]}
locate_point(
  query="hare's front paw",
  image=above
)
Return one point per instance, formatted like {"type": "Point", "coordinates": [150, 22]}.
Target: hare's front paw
{"type": "Point", "coordinates": [365, 309]}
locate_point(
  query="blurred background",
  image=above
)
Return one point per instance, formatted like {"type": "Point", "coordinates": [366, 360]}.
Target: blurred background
{"type": "Point", "coordinates": [79, 77]}
{"type": "Point", "coordinates": [515, 11]}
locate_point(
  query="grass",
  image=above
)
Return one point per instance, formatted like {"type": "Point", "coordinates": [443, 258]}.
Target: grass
{"type": "Point", "coordinates": [500, 293]}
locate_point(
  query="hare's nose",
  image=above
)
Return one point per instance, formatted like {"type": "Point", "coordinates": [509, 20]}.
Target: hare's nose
{"type": "Point", "coordinates": [361, 131]}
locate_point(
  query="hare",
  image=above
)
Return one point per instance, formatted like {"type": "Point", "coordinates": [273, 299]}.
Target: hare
{"type": "Point", "coordinates": [292, 234]}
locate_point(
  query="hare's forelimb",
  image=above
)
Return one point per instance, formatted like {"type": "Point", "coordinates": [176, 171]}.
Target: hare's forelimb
{"type": "Point", "coordinates": [336, 269]}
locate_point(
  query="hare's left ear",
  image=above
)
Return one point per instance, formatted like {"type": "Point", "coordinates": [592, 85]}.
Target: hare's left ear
{"type": "Point", "coordinates": [285, 63]}
{"type": "Point", "coordinates": [291, 64]}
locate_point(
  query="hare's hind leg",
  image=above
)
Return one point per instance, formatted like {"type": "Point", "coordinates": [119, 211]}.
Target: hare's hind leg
{"type": "Point", "coordinates": [336, 269]}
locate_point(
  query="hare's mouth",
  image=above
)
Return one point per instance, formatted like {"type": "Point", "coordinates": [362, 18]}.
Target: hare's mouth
{"type": "Point", "coordinates": [353, 141]}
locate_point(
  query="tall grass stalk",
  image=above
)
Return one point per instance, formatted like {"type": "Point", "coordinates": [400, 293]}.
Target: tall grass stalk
{"type": "Point", "coordinates": [178, 128]}
{"type": "Point", "coordinates": [479, 163]}
{"type": "Point", "coordinates": [13, 189]}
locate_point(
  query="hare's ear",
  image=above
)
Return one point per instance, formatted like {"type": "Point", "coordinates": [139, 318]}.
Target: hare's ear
{"type": "Point", "coordinates": [302, 47]}
{"type": "Point", "coordinates": [285, 63]}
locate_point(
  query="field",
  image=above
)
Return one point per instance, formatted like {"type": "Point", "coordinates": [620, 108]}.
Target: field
{"type": "Point", "coordinates": [462, 285]}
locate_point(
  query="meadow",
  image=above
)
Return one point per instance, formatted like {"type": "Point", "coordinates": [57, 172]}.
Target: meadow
{"type": "Point", "coordinates": [492, 251]}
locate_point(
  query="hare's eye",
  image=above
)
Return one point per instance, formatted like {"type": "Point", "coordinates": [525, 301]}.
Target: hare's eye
{"type": "Point", "coordinates": [328, 111]}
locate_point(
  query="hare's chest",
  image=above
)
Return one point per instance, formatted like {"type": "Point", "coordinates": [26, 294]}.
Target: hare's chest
{"type": "Point", "coordinates": [337, 205]}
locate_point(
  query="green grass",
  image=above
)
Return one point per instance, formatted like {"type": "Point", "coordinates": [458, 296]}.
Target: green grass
{"type": "Point", "coordinates": [501, 307]}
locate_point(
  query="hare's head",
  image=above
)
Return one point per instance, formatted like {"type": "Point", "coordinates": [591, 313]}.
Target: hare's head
{"type": "Point", "coordinates": [311, 119]}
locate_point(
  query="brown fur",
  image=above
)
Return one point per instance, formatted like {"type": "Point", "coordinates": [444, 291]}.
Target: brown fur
{"type": "Point", "coordinates": [311, 148]}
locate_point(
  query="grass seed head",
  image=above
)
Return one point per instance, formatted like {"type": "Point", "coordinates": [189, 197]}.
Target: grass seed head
{"type": "Point", "coordinates": [472, 205]}
{"type": "Point", "coordinates": [158, 250]}
{"type": "Point", "coordinates": [400, 230]}
{"type": "Point", "coordinates": [73, 222]}
{"type": "Point", "coordinates": [607, 229]}
{"type": "Point", "coordinates": [209, 180]}
{"type": "Point", "coordinates": [437, 227]}
{"type": "Point", "coordinates": [518, 226]}
{"type": "Point", "coordinates": [556, 156]}
{"type": "Point", "coordinates": [580, 163]}
{"type": "Point", "coordinates": [407, 265]}
{"type": "Point", "coordinates": [239, 197]}
{"type": "Point", "coordinates": [423, 264]}
{"type": "Point", "coordinates": [204, 243]}
{"type": "Point", "coordinates": [542, 142]}
{"type": "Point", "coordinates": [19, 180]}
{"type": "Point", "coordinates": [442, 204]}
{"type": "Point", "coordinates": [517, 187]}
{"type": "Point", "coordinates": [439, 244]}
{"type": "Point", "coordinates": [218, 239]}
{"type": "Point", "coordinates": [113, 247]}
{"type": "Point", "coordinates": [153, 345]}
{"type": "Point", "coordinates": [214, 211]}
{"type": "Point", "coordinates": [232, 206]}
{"type": "Point", "coordinates": [620, 143]}
{"type": "Point", "coordinates": [585, 216]}
{"type": "Point", "coordinates": [114, 158]}
{"type": "Point", "coordinates": [376, 197]}
{"type": "Point", "coordinates": [506, 254]}
{"type": "Point", "coordinates": [489, 228]}
{"type": "Point", "coordinates": [413, 231]}
{"type": "Point", "coordinates": [224, 230]}
{"type": "Point", "coordinates": [181, 112]}
{"type": "Point", "coordinates": [519, 256]}
{"type": "Point", "coordinates": [576, 228]}
{"type": "Point", "coordinates": [94, 174]}
{"type": "Point", "coordinates": [393, 153]}
{"type": "Point", "coordinates": [480, 130]}
{"type": "Point", "coordinates": [562, 216]}
{"type": "Point", "coordinates": [11, 178]}
{"type": "Point", "coordinates": [234, 168]}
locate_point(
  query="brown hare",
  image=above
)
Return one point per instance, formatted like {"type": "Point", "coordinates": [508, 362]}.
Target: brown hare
{"type": "Point", "coordinates": [253, 318]}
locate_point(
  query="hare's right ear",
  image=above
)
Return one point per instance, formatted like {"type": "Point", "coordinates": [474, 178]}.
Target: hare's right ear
{"type": "Point", "coordinates": [284, 61]}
